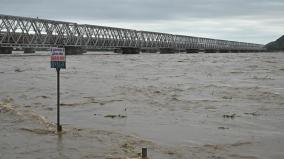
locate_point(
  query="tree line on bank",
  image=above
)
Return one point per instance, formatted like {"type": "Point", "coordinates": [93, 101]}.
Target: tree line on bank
{"type": "Point", "coordinates": [277, 45]}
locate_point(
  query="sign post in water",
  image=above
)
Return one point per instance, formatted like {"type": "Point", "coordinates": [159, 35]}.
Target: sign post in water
{"type": "Point", "coordinates": [58, 61]}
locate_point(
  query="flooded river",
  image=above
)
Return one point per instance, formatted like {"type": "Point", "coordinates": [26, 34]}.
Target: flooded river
{"type": "Point", "coordinates": [179, 106]}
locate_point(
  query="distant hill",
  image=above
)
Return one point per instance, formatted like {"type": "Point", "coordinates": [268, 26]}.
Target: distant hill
{"type": "Point", "coordinates": [277, 45]}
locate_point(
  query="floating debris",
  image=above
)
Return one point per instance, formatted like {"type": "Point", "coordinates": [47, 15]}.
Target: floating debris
{"type": "Point", "coordinates": [49, 109]}
{"type": "Point", "coordinates": [18, 70]}
{"type": "Point", "coordinates": [253, 114]}
{"type": "Point", "coordinates": [115, 116]}
{"type": "Point", "coordinates": [232, 116]}
{"type": "Point", "coordinates": [44, 97]}
{"type": "Point", "coordinates": [222, 128]}
{"type": "Point", "coordinates": [227, 97]}
{"type": "Point", "coordinates": [39, 131]}
{"type": "Point", "coordinates": [68, 104]}
{"type": "Point", "coordinates": [127, 148]}
{"type": "Point", "coordinates": [110, 116]}
{"type": "Point", "coordinates": [157, 92]}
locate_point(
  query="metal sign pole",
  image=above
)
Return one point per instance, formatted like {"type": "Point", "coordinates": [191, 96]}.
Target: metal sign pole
{"type": "Point", "coordinates": [58, 61]}
{"type": "Point", "coordinates": [59, 127]}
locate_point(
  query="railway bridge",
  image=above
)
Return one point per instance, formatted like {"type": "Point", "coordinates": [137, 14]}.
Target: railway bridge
{"type": "Point", "coordinates": [30, 33]}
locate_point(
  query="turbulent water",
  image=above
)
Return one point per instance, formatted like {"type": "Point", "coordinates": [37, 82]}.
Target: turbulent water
{"type": "Point", "coordinates": [178, 106]}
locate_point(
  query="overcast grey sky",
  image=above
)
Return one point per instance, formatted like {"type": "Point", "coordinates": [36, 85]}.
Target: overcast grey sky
{"type": "Point", "coordinates": [257, 21]}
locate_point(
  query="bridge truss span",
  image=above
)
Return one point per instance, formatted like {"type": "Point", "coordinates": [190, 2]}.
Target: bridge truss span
{"type": "Point", "coordinates": [18, 31]}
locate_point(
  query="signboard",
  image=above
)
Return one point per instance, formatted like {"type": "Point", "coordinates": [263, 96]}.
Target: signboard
{"type": "Point", "coordinates": [57, 58]}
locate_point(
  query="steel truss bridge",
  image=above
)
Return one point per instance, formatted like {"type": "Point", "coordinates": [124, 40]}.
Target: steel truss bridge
{"type": "Point", "coordinates": [16, 31]}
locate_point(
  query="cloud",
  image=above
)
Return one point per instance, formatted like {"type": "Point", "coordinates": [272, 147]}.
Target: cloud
{"type": "Point", "coordinates": [243, 20]}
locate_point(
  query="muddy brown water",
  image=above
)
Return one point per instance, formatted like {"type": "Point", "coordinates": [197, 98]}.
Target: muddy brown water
{"type": "Point", "coordinates": [179, 106]}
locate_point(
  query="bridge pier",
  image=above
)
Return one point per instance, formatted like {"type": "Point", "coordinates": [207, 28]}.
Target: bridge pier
{"type": "Point", "coordinates": [192, 51]}
{"type": "Point", "coordinates": [181, 51]}
{"type": "Point", "coordinates": [235, 51]}
{"type": "Point", "coordinates": [74, 50]}
{"type": "Point", "coordinates": [29, 50]}
{"type": "Point", "coordinates": [224, 51]}
{"type": "Point", "coordinates": [149, 50]}
{"type": "Point", "coordinates": [127, 50]}
{"type": "Point", "coordinates": [210, 51]}
{"type": "Point", "coordinates": [117, 50]}
{"type": "Point", "coordinates": [6, 50]}
{"type": "Point", "coordinates": [167, 50]}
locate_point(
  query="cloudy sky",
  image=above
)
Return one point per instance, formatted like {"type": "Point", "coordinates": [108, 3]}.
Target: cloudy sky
{"type": "Point", "coordinates": [257, 21]}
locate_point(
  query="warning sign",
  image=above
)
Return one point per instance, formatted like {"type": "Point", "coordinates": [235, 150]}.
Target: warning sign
{"type": "Point", "coordinates": [57, 58]}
